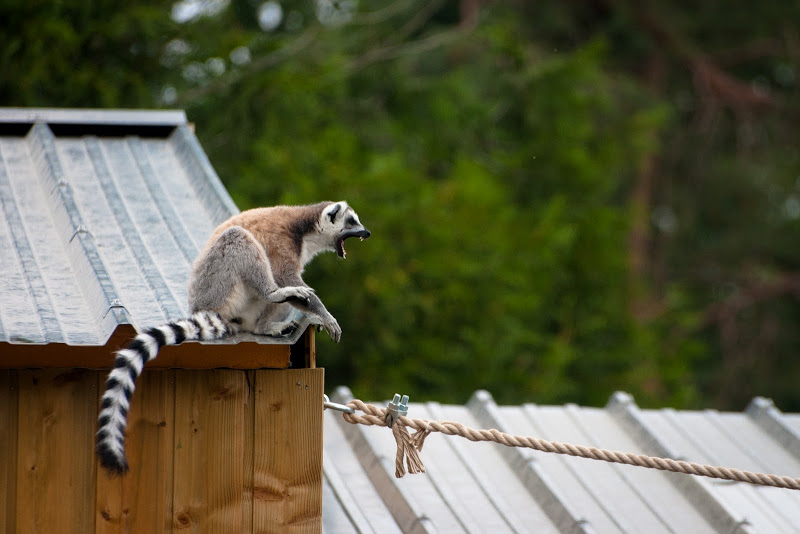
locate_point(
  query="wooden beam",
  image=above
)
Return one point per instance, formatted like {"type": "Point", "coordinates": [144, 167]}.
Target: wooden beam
{"type": "Point", "coordinates": [246, 355]}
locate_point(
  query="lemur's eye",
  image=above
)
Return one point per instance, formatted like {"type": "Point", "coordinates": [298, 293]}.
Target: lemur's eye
{"type": "Point", "coordinates": [351, 221]}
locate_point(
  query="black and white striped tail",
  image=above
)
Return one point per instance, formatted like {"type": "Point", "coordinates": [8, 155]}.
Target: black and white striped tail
{"type": "Point", "coordinates": [113, 419]}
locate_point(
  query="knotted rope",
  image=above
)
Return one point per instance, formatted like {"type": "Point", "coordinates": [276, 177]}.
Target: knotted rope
{"type": "Point", "coordinates": [410, 445]}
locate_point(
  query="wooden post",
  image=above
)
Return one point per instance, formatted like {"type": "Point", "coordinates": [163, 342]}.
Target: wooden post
{"type": "Point", "coordinates": [304, 352]}
{"type": "Point", "coordinates": [311, 348]}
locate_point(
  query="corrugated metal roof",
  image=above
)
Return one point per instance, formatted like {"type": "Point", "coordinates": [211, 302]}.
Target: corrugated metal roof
{"type": "Point", "coordinates": [485, 487]}
{"type": "Point", "coordinates": [103, 213]}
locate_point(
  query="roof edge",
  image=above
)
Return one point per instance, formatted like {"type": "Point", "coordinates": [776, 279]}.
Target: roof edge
{"type": "Point", "coordinates": [189, 355]}
{"type": "Point", "coordinates": [121, 117]}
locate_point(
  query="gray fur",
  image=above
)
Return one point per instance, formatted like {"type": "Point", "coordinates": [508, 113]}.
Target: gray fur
{"type": "Point", "coordinates": [254, 263]}
{"type": "Point", "coordinates": [233, 277]}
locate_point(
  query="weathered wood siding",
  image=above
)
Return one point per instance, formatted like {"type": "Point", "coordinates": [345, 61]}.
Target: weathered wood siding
{"type": "Point", "coordinates": [210, 451]}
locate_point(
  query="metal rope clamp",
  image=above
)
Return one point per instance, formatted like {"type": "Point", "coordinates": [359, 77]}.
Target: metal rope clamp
{"type": "Point", "coordinates": [396, 409]}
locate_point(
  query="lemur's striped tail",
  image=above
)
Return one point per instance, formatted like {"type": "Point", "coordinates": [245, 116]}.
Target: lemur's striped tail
{"type": "Point", "coordinates": [203, 325]}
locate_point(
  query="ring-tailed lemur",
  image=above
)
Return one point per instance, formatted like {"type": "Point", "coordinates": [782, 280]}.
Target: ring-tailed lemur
{"type": "Point", "coordinates": [244, 279]}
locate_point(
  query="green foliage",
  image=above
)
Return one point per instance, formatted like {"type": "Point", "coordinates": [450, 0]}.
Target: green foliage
{"type": "Point", "coordinates": [75, 53]}
{"type": "Point", "coordinates": [494, 197]}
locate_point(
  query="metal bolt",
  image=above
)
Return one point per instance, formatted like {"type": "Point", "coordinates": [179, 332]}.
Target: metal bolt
{"type": "Point", "coordinates": [397, 408]}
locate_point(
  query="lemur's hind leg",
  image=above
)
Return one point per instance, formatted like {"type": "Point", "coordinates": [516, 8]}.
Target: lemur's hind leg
{"type": "Point", "coordinates": [274, 321]}
{"type": "Point", "coordinates": [234, 260]}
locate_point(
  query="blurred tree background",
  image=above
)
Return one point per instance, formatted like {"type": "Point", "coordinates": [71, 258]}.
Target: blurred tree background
{"type": "Point", "coordinates": [566, 198]}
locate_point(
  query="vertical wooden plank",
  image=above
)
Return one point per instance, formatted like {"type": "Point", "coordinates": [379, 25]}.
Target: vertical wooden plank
{"type": "Point", "coordinates": [247, 460]}
{"type": "Point", "coordinates": [8, 450]}
{"type": "Point", "coordinates": [141, 501]}
{"type": "Point", "coordinates": [287, 494]}
{"type": "Point", "coordinates": [209, 450]}
{"type": "Point", "coordinates": [56, 469]}
{"type": "Point", "coordinates": [311, 347]}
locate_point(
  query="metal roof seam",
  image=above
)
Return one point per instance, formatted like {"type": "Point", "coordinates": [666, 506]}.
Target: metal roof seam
{"type": "Point", "coordinates": [208, 187]}
{"type": "Point", "coordinates": [578, 475]}
{"type": "Point", "coordinates": [348, 504]}
{"type": "Point", "coordinates": [457, 446]}
{"type": "Point", "coordinates": [733, 497]}
{"type": "Point", "coordinates": [698, 490]}
{"type": "Point", "coordinates": [342, 470]}
{"type": "Point", "coordinates": [25, 255]}
{"type": "Point", "coordinates": [770, 419]}
{"type": "Point", "coordinates": [770, 508]}
{"type": "Point", "coordinates": [620, 470]}
{"type": "Point", "coordinates": [758, 465]}
{"type": "Point", "coordinates": [178, 231]}
{"type": "Point", "coordinates": [42, 144]}
{"type": "Point", "coordinates": [152, 275]}
{"type": "Point", "coordinates": [460, 511]}
{"type": "Point", "coordinates": [561, 512]}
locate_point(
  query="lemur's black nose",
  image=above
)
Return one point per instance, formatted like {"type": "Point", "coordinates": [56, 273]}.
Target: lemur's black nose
{"type": "Point", "coordinates": [367, 233]}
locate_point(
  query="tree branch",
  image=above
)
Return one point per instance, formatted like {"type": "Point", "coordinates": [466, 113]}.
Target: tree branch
{"type": "Point", "coordinates": [380, 15]}
{"type": "Point", "coordinates": [726, 310]}
{"type": "Point", "coordinates": [390, 44]}
{"type": "Point", "coordinates": [750, 51]}
{"type": "Point", "coordinates": [264, 62]}
{"type": "Point", "coordinates": [406, 49]}
{"type": "Point", "coordinates": [710, 80]}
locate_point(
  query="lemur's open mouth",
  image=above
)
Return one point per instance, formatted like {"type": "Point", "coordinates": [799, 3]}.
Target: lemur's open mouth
{"type": "Point", "coordinates": [363, 234]}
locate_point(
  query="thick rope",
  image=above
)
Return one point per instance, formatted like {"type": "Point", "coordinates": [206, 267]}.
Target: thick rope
{"type": "Point", "coordinates": [409, 446]}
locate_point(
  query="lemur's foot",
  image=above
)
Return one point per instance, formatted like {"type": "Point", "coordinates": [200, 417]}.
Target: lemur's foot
{"type": "Point", "coordinates": [281, 329]}
{"type": "Point", "coordinates": [282, 294]}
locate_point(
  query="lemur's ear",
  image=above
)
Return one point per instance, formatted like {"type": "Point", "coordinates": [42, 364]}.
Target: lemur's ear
{"type": "Point", "coordinates": [333, 211]}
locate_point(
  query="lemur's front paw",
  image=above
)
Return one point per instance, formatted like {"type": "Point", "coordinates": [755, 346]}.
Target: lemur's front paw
{"type": "Point", "coordinates": [332, 326]}
{"type": "Point", "coordinates": [282, 294]}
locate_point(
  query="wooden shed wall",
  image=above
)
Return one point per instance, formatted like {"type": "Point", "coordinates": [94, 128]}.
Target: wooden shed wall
{"type": "Point", "coordinates": [210, 451]}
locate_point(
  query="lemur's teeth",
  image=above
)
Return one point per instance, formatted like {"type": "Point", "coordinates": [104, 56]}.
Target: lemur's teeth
{"type": "Point", "coordinates": [361, 238]}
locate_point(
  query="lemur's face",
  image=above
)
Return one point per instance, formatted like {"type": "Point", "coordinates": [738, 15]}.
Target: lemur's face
{"type": "Point", "coordinates": [340, 222]}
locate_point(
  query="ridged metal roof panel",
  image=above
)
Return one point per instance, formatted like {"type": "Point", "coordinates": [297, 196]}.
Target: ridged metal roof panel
{"type": "Point", "coordinates": [103, 213]}
{"type": "Point", "coordinates": [349, 497]}
{"type": "Point", "coordinates": [31, 310]}
{"type": "Point", "coordinates": [486, 487]}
